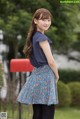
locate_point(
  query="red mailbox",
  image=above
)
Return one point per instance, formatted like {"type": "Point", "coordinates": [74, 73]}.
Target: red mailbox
{"type": "Point", "coordinates": [20, 65]}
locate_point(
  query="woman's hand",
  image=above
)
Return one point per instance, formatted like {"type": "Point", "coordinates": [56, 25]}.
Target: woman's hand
{"type": "Point", "coordinates": [57, 77]}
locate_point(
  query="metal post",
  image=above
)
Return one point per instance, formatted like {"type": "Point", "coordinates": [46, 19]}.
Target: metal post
{"type": "Point", "coordinates": [20, 65]}
{"type": "Point", "coordinates": [19, 107]}
{"type": "Point", "coordinates": [25, 76]}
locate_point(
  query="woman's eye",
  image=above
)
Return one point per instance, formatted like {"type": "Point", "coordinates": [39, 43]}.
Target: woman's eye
{"type": "Point", "coordinates": [49, 19]}
{"type": "Point", "coordinates": [44, 19]}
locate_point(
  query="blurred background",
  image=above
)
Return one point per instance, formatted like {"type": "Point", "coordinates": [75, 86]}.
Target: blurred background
{"type": "Point", "coordinates": [15, 19]}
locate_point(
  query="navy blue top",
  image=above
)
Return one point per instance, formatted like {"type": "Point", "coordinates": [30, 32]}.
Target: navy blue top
{"type": "Point", "coordinates": [37, 57]}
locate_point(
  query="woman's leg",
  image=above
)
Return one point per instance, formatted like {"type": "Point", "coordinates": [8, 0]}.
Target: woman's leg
{"type": "Point", "coordinates": [37, 111]}
{"type": "Point", "coordinates": [48, 111]}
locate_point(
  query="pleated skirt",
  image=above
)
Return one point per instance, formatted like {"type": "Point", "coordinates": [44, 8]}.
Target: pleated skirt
{"type": "Point", "coordinates": [40, 88]}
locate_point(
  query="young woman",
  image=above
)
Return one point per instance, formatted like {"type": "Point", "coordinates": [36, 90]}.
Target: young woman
{"type": "Point", "coordinates": [41, 88]}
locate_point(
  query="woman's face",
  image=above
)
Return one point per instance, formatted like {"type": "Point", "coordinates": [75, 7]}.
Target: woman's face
{"type": "Point", "coordinates": [42, 24]}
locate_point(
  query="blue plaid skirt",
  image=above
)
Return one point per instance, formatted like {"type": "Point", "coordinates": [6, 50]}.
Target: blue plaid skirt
{"type": "Point", "coordinates": [40, 88]}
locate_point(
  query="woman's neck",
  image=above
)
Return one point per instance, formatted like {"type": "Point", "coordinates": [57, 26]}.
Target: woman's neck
{"type": "Point", "coordinates": [40, 31]}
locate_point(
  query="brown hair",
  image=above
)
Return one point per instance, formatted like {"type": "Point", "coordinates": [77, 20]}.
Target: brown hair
{"type": "Point", "coordinates": [41, 13]}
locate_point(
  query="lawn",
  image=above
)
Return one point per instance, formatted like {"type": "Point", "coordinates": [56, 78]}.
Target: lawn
{"type": "Point", "coordinates": [67, 113]}
{"type": "Point", "coordinates": [60, 113]}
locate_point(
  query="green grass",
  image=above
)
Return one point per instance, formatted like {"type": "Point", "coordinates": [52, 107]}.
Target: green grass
{"type": "Point", "coordinates": [60, 113]}
{"type": "Point", "coordinates": [67, 113]}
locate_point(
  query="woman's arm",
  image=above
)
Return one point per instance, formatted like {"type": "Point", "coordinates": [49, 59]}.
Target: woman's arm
{"type": "Point", "coordinates": [51, 62]}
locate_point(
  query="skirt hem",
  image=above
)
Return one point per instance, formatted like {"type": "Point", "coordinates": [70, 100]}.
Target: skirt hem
{"type": "Point", "coordinates": [37, 103]}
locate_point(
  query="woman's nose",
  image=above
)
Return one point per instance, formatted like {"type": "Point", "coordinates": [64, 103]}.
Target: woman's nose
{"type": "Point", "coordinates": [47, 22]}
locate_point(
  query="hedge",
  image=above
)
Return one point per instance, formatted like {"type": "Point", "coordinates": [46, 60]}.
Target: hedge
{"type": "Point", "coordinates": [69, 75]}
{"type": "Point", "coordinates": [75, 92]}
{"type": "Point", "coordinates": [64, 94]}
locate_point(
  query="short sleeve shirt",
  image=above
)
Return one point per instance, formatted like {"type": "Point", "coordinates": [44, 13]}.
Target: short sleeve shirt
{"type": "Point", "coordinates": [38, 57]}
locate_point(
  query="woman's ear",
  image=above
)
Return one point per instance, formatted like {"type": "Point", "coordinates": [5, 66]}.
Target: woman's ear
{"type": "Point", "coordinates": [35, 21]}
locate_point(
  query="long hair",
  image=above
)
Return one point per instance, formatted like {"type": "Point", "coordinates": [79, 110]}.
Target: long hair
{"type": "Point", "coordinates": [41, 13]}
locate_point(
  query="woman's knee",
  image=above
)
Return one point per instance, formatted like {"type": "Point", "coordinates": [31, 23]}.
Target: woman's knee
{"type": "Point", "coordinates": [37, 112]}
{"type": "Point", "coordinates": [48, 111]}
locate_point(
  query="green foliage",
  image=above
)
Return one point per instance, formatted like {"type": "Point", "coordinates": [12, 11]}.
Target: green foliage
{"type": "Point", "coordinates": [32, 5]}
{"type": "Point", "coordinates": [69, 75]}
{"type": "Point", "coordinates": [76, 45]}
{"type": "Point", "coordinates": [15, 19]}
{"type": "Point", "coordinates": [65, 23]}
{"type": "Point", "coordinates": [6, 8]}
{"type": "Point", "coordinates": [52, 35]}
{"type": "Point", "coordinates": [17, 24]}
{"type": "Point", "coordinates": [2, 24]}
{"type": "Point", "coordinates": [1, 73]}
{"type": "Point", "coordinates": [64, 95]}
{"type": "Point", "coordinates": [75, 92]}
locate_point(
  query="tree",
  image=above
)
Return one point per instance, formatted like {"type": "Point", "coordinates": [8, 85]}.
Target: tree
{"type": "Point", "coordinates": [15, 19]}
{"type": "Point", "coordinates": [16, 16]}
{"type": "Point", "coordinates": [17, 25]}
{"type": "Point", "coordinates": [64, 22]}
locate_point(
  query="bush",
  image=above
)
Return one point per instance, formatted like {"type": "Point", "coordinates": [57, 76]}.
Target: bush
{"type": "Point", "coordinates": [75, 92]}
{"type": "Point", "coordinates": [69, 75]}
{"type": "Point", "coordinates": [64, 95]}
